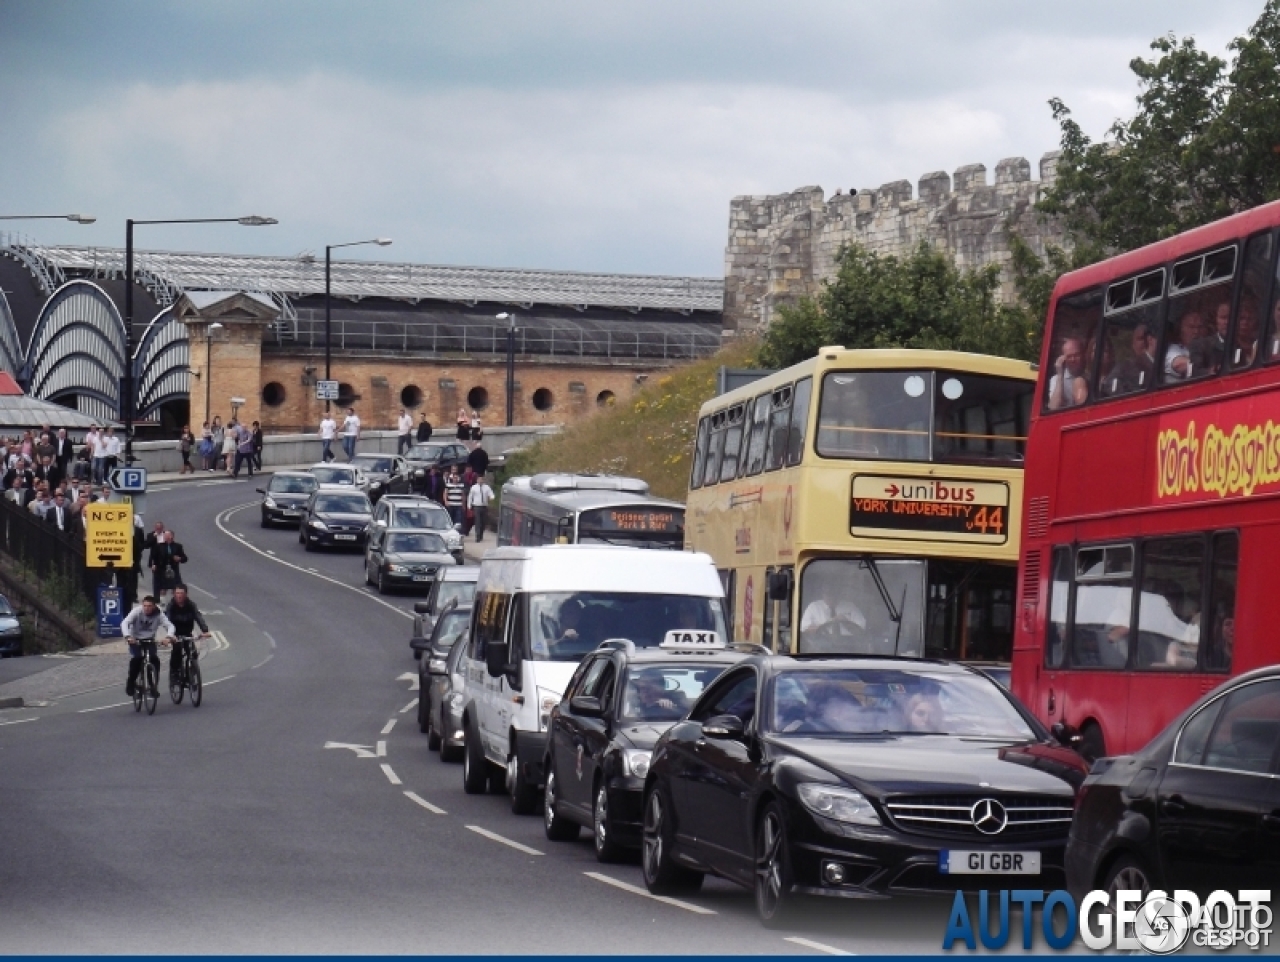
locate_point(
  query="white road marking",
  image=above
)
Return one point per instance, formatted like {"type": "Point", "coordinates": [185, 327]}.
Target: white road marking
{"type": "Point", "coordinates": [817, 946]}
{"type": "Point", "coordinates": [386, 729]}
{"type": "Point", "coordinates": [220, 642]}
{"type": "Point", "coordinates": [641, 890]}
{"type": "Point", "coordinates": [241, 614]}
{"type": "Point", "coordinates": [220, 522]}
{"type": "Point", "coordinates": [205, 484]}
{"type": "Point", "coordinates": [158, 490]}
{"type": "Point", "coordinates": [269, 551]}
{"type": "Point", "coordinates": [382, 749]}
{"type": "Point", "coordinates": [412, 679]}
{"type": "Point", "coordinates": [392, 777]}
{"type": "Point", "coordinates": [119, 704]}
{"type": "Point", "coordinates": [19, 721]}
{"type": "Point", "coordinates": [362, 751]}
{"type": "Point", "coordinates": [264, 661]}
{"type": "Point", "coordinates": [218, 681]}
{"type": "Point", "coordinates": [207, 594]}
{"type": "Point", "coordinates": [412, 704]}
{"type": "Point", "coordinates": [270, 639]}
{"type": "Point", "coordinates": [505, 841]}
{"type": "Point", "coordinates": [414, 797]}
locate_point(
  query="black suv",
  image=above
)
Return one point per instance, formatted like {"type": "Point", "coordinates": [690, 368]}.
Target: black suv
{"type": "Point", "coordinates": [618, 703]}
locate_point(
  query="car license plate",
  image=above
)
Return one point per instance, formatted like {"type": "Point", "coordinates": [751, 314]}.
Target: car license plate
{"type": "Point", "coordinates": [952, 862]}
{"type": "Point", "coordinates": [422, 577]}
{"type": "Point", "coordinates": [344, 537]}
{"type": "Point", "coordinates": [291, 513]}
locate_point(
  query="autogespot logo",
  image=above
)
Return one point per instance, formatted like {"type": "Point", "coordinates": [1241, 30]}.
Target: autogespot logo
{"type": "Point", "coordinates": [1159, 924]}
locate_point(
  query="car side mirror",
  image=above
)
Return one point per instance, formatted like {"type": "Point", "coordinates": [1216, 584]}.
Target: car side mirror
{"type": "Point", "coordinates": [422, 607]}
{"type": "Point", "coordinates": [780, 586]}
{"type": "Point", "coordinates": [419, 644]}
{"type": "Point", "coordinates": [588, 706]}
{"type": "Point", "coordinates": [725, 727]}
{"type": "Point", "coordinates": [495, 659]}
{"type": "Point", "coordinates": [260, 490]}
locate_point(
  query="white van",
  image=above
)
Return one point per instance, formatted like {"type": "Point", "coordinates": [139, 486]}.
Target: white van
{"type": "Point", "coordinates": [536, 613]}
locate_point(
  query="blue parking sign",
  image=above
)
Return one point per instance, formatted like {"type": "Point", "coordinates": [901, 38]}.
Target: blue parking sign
{"type": "Point", "coordinates": [110, 611]}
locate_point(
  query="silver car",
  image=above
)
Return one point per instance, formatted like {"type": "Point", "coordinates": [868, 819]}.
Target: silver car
{"type": "Point", "coordinates": [346, 477]}
{"type": "Point", "coordinates": [413, 511]}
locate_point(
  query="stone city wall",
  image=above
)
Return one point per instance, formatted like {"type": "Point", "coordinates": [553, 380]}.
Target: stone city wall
{"type": "Point", "coordinates": [781, 247]}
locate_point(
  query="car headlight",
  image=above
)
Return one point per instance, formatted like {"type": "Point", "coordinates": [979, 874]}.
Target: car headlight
{"type": "Point", "coordinates": [375, 484]}
{"type": "Point", "coordinates": [419, 473]}
{"type": "Point", "coordinates": [317, 523]}
{"type": "Point", "coordinates": [547, 700]}
{"type": "Point", "coordinates": [839, 804]}
{"type": "Point", "coordinates": [436, 664]}
{"type": "Point", "coordinates": [394, 568]}
{"type": "Point", "coordinates": [455, 699]}
{"type": "Point", "coordinates": [636, 762]}
{"type": "Point", "coordinates": [11, 630]}
{"type": "Point", "coordinates": [269, 502]}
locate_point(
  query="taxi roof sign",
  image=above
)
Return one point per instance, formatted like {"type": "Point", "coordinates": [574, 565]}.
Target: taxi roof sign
{"type": "Point", "coordinates": [690, 639]}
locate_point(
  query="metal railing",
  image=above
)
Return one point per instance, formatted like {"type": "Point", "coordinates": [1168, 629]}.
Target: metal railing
{"type": "Point", "coordinates": [418, 337]}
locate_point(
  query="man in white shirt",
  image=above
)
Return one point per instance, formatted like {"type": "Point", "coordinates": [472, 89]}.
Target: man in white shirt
{"type": "Point", "coordinates": [405, 428]}
{"type": "Point", "coordinates": [328, 428]}
{"type": "Point", "coordinates": [350, 433]}
{"type": "Point", "coordinates": [478, 499]}
{"type": "Point", "coordinates": [113, 450]}
{"type": "Point", "coordinates": [100, 448]}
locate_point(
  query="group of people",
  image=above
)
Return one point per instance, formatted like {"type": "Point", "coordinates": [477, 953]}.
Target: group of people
{"type": "Point", "coordinates": [466, 494]}
{"type": "Point", "coordinates": [147, 626]}
{"type": "Point", "coordinates": [222, 448]}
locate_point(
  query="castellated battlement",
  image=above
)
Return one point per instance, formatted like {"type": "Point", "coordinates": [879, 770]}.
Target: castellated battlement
{"type": "Point", "coordinates": [782, 246]}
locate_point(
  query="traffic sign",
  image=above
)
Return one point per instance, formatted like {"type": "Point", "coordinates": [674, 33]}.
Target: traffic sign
{"type": "Point", "coordinates": [110, 611]}
{"type": "Point", "coordinates": [108, 539]}
{"type": "Point", "coordinates": [326, 390]}
{"type": "Point", "coordinates": [129, 480]}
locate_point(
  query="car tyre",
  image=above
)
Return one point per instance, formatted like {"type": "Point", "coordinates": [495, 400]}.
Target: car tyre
{"type": "Point", "coordinates": [475, 767]}
{"type": "Point", "coordinates": [557, 827]}
{"type": "Point", "coordinates": [607, 850]}
{"type": "Point", "coordinates": [382, 583]}
{"type": "Point", "coordinates": [265, 522]}
{"type": "Point", "coordinates": [775, 903]}
{"type": "Point", "coordinates": [524, 797]}
{"type": "Point", "coordinates": [424, 720]}
{"type": "Point", "coordinates": [448, 753]}
{"type": "Point", "coordinates": [662, 876]}
{"type": "Point", "coordinates": [1128, 873]}
{"type": "Point", "coordinates": [433, 736]}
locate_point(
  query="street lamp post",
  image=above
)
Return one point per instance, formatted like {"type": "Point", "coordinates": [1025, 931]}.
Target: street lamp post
{"type": "Point", "coordinates": [328, 288]}
{"type": "Point", "coordinates": [127, 400]}
{"type": "Point", "coordinates": [511, 364]}
{"type": "Point", "coordinates": [75, 218]}
{"type": "Point", "coordinates": [208, 367]}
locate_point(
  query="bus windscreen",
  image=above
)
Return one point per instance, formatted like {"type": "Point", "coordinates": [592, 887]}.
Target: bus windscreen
{"type": "Point", "coordinates": [632, 521]}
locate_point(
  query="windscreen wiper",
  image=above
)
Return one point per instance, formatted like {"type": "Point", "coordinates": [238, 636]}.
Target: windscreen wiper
{"type": "Point", "coordinates": [895, 613]}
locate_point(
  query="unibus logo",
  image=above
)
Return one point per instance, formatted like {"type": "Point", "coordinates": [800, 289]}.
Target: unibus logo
{"type": "Point", "coordinates": [1157, 923]}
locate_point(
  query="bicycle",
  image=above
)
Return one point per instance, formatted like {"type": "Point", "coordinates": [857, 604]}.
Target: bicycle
{"type": "Point", "coordinates": [145, 689]}
{"type": "Point", "coordinates": [188, 677]}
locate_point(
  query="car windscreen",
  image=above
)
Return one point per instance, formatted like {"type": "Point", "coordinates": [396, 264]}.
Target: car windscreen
{"type": "Point", "coordinates": [463, 592]}
{"type": "Point", "coordinates": [342, 504]}
{"type": "Point", "coordinates": [665, 692]}
{"type": "Point", "coordinates": [291, 484]}
{"type": "Point", "coordinates": [878, 701]}
{"type": "Point", "coordinates": [381, 465]}
{"type": "Point", "coordinates": [5, 608]}
{"type": "Point", "coordinates": [564, 626]}
{"type": "Point", "coordinates": [425, 452]}
{"type": "Point", "coordinates": [421, 516]}
{"type": "Point", "coordinates": [453, 625]}
{"type": "Point", "coordinates": [334, 475]}
{"type": "Point", "coordinates": [415, 543]}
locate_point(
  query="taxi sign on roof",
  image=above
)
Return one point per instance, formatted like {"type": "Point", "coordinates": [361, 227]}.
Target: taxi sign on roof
{"type": "Point", "coordinates": [690, 639]}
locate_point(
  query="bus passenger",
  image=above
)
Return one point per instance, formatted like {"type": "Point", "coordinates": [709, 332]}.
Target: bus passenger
{"type": "Point", "coordinates": [1207, 351]}
{"type": "Point", "coordinates": [1137, 371]}
{"type": "Point", "coordinates": [1178, 364]}
{"type": "Point", "coordinates": [1069, 387]}
{"type": "Point", "coordinates": [1246, 348]}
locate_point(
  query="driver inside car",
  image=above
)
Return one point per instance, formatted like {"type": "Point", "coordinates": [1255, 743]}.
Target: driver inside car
{"type": "Point", "coordinates": [647, 698]}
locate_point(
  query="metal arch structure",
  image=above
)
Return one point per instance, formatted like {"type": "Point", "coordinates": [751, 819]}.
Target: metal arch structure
{"type": "Point", "coordinates": [11, 356]}
{"type": "Point", "coordinates": [78, 347]}
{"type": "Point", "coordinates": [161, 363]}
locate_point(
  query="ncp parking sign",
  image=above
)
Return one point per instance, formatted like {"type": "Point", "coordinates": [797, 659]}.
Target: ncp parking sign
{"type": "Point", "coordinates": [110, 611]}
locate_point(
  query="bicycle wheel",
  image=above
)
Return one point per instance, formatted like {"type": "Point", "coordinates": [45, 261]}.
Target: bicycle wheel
{"type": "Point", "coordinates": [176, 685]}
{"type": "Point", "coordinates": [195, 683]}
{"type": "Point", "coordinates": [150, 694]}
{"type": "Point", "coordinates": [137, 695]}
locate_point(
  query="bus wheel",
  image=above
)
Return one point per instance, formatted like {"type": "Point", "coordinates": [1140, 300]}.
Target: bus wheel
{"type": "Point", "coordinates": [1092, 745]}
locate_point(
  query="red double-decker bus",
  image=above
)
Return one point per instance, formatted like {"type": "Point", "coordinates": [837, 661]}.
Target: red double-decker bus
{"type": "Point", "coordinates": [1150, 565]}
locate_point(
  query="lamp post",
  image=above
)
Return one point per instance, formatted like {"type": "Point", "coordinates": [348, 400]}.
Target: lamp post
{"type": "Point", "coordinates": [75, 218]}
{"type": "Point", "coordinates": [208, 366]}
{"type": "Point", "coordinates": [126, 383]}
{"type": "Point", "coordinates": [511, 364]}
{"type": "Point", "coordinates": [328, 288]}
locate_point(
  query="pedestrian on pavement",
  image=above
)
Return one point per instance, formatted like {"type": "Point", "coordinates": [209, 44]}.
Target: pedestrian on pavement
{"type": "Point", "coordinates": [184, 615]}
{"type": "Point", "coordinates": [328, 428]}
{"type": "Point", "coordinates": [476, 432]}
{"type": "Point", "coordinates": [478, 500]}
{"type": "Point", "coordinates": [244, 450]}
{"type": "Point", "coordinates": [404, 435]}
{"type": "Point", "coordinates": [167, 559]}
{"type": "Point", "coordinates": [216, 435]}
{"type": "Point", "coordinates": [44, 448]}
{"type": "Point", "coordinates": [59, 514]}
{"type": "Point", "coordinates": [100, 447]}
{"type": "Point", "coordinates": [40, 506]}
{"type": "Point", "coordinates": [230, 444]}
{"type": "Point", "coordinates": [453, 489]}
{"type": "Point", "coordinates": [206, 446]}
{"type": "Point", "coordinates": [464, 424]}
{"type": "Point", "coordinates": [258, 442]}
{"type": "Point", "coordinates": [424, 429]}
{"type": "Point", "coordinates": [186, 441]}
{"type": "Point", "coordinates": [142, 628]}
{"type": "Point", "coordinates": [63, 449]}
{"type": "Point", "coordinates": [113, 451]}
{"type": "Point", "coordinates": [350, 434]}
{"type": "Point", "coordinates": [434, 485]}
{"type": "Point", "coordinates": [478, 460]}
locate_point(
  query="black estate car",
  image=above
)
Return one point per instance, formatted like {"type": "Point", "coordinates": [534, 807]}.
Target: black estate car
{"type": "Point", "coordinates": [1198, 808]}
{"type": "Point", "coordinates": [285, 497]}
{"type": "Point", "coordinates": [387, 474]}
{"type": "Point", "coordinates": [855, 778]}
{"type": "Point", "coordinates": [335, 519]}
{"type": "Point", "coordinates": [404, 558]}
{"type": "Point", "coordinates": [618, 703]}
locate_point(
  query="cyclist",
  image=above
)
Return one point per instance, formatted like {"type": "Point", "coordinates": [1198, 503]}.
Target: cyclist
{"type": "Point", "coordinates": [184, 616]}
{"type": "Point", "coordinates": [142, 627]}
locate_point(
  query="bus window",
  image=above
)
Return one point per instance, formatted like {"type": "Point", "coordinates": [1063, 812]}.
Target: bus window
{"type": "Point", "coordinates": [731, 459]}
{"type": "Point", "coordinates": [1123, 359]}
{"type": "Point", "coordinates": [779, 422]}
{"type": "Point", "coordinates": [1199, 316]}
{"type": "Point", "coordinates": [799, 420]}
{"type": "Point", "coordinates": [1252, 304]}
{"type": "Point", "coordinates": [711, 471]}
{"type": "Point", "coordinates": [1074, 322]}
{"type": "Point", "coordinates": [766, 636]}
{"type": "Point", "coordinates": [1055, 649]}
{"type": "Point", "coordinates": [759, 430]}
{"type": "Point", "coordinates": [843, 608]}
{"type": "Point", "coordinates": [1222, 602]}
{"type": "Point", "coordinates": [700, 452]}
{"type": "Point", "coordinates": [970, 612]}
{"type": "Point", "coordinates": [980, 418]}
{"type": "Point", "coordinates": [1169, 606]}
{"type": "Point", "coordinates": [1103, 607]}
{"type": "Point", "coordinates": [784, 612]}
{"type": "Point", "coordinates": [728, 581]}
{"type": "Point", "coordinates": [875, 414]}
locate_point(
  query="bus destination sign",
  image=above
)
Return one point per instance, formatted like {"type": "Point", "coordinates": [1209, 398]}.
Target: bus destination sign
{"type": "Point", "coordinates": [633, 520]}
{"type": "Point", "coordinates": [930, 509]}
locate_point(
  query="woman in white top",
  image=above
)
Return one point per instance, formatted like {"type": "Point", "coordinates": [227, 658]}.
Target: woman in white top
{"type": "Point", "coordinates": [229, 446]}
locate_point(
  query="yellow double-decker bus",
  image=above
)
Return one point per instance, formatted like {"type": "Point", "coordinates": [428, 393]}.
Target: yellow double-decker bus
{"type": "Point", "coordinates": [868, 502]}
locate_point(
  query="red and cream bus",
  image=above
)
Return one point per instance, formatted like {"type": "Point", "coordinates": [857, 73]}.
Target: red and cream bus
{"type": "Point", "coordinates": [1151, 542]}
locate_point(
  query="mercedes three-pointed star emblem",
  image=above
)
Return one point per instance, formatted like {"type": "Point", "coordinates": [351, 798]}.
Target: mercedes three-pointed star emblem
{"type": "Point", "coordinates": [989, 816]}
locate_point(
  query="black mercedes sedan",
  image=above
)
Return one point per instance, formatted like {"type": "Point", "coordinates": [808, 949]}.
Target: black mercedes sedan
{"type": "Point", "coordinates": [404, 558]}
{"type": "Point", "coordinates": [1198, 808]}
{"type": "Point", "coordinates": [599, 738]}
{"type": "Point", "coordinates": [857, 778]}
{"type": "Point", "coordinates": [335, 519]}
{"type": "Point", "coordinates": [285, 497]}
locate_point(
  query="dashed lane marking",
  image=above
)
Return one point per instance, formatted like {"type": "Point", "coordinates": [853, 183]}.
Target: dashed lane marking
{"type": "Point", "coordinates": [381, 749]}
{"type": "Point", "coordinates": [241, 614]}
{"type": "Point", "coordinates": [505, 841]}
{"type": "Point", "coordinates": [19, 721]}
{"type": "Point", "coordinates": [221, 520]}
{"type": "Point", "coordinates": [264, 661]}
{"type": "Point", "coordinates": [816, 946]}
{"type": "Point", "coordinates": [159, 490]}
{"type": "Point", "coordinates": [434, 809]}
{"type": "Point", "coordinates": [218, 681]}
{"type": "Point", "coordinates": [640, 890]}
{"type": "Point", "coordinates": [411, 705]}
{"type": "Point", "coordinates": [392, 777]}
{"type": "Point", "coordinates": [270, 552]}
{"type": "Point", "coordinates": [271, 640]}
{"type": "Point", "coordinates": [386, 729]}
{"type": "Point", "coordinates": [207, 594]}
{"type": "Point", "coordinates": [121, 704]}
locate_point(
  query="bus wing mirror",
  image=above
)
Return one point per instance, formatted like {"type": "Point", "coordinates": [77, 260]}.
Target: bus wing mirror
{"type": "Point", "coordinates": [495, 659]}
{"type": "Point", "coordinates": [780, 586]}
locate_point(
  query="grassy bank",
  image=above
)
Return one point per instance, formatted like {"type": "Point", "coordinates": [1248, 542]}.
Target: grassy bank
{"type": "Point", "coordinates": [649, 435]}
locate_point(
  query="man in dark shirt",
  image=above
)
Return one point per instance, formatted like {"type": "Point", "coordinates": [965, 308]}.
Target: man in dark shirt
{"type": "Point", "coordinates": [424, 429]}
{"type": "Point", "coordinates": [478, 461]}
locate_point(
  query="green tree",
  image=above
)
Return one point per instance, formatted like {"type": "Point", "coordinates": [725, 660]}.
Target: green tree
{"type": "Point", "coordinates": [921, 300]}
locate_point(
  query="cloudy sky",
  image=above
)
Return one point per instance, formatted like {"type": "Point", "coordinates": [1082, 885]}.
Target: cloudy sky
{"type": "Point", "coordinates": [521, 133]}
